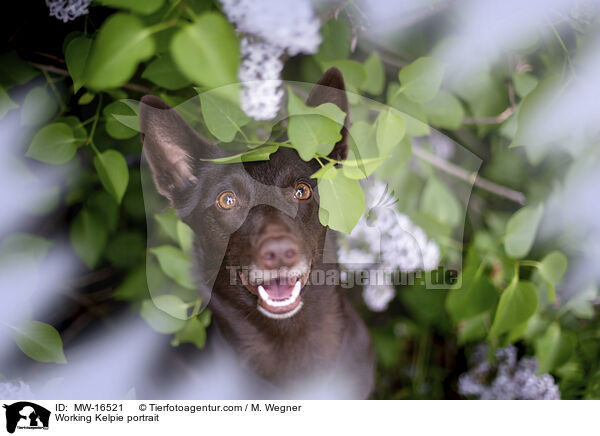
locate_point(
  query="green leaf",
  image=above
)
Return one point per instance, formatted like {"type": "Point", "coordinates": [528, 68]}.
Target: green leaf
{"type": "Point", "coordinates": [421, 79]}
{"type": "Point", "coordinates": [552, 268]}
{"type": "Point", "coordinates": [392, 167]}
{"type": "Point", "coordinates": [15, 71]}
{"type": "Point", "coordinates": [363, 155]}
{"type": "Point", "coordinates": [361, 168]}
{"type": "Point", "coordinates": [517, 304]}
{"type": "Point", "coordinates": [113, 172]}
{"type": "Point", "coordinates": [473, 329]}
{"type": "Point", "coordinates": [517, 332]}
{"type": "Point", "coordinates": [194, 331]}
{"type": "Point", "coordinates": [215, 49]}
{"type": "Point", "coordinates": [390, 130]}
{"type": "Point", "coordinates": [175, 264]}
{"type": "Point", "coordinates": [223, 118]}
{"type": "Point", "coordinates": [127, 114]}
{"type": "Point", "coordinates": [581, 304]}
{"type": "Point", "coordinates": [103, 206]}
{"type": "Point", "coordinates": [548, 92]}
{"type": "Point", "coordinates": [165, 314]}
{"type": "Point", "coordinates": [335, 34]}
{"type": "Point", "coordinates": [168, 222]}
{"type": "Point", "coordinates": [328, 171]}
{"type": "Point", "coordinates": [76, 56]}
{"type": "Point", "coordinates": [88, 237]}
{"type": "Point", "coordinates": [24, 246]}
{"type": "Point", "coordinates": [524, 83]}
{"type": "Point", "coordinates": [521, 230]}
{"type": "Point", "coordinates": [413, 113]}
{"type": "Point", "coordinates": [6, 103]}
{"type": "Point", "coordinates": [311, 133]}
{"type": "Point", "coordinates": [485, 95]}
{"type": "Point", "coordinates": [86, 98]}
{"type": "Point", "coordinates": [114, 126]}
{"type": "Point", "coordinates": [444, 111]}
{"type": "Point", "coordinates": [145, 7]}
{"type": "Point", "coordinates": [134, 287]}
{"type": "Point", "coordinates": [122, 43]}
{"type": "Point", "coordinates": [341, 202]}
{"type": "Point", "coordinates": [375, 75]}
{"type": "Point", "coordinates": [163, 72]}
{"type": "Point", "coordinates": [126, 249]}
{"type": "Point", "coordinates": [53, 144]}
{"type": "Point", "coordinates": [40, 341]}
{"type": "Point", "coordinates": [185, 236]}
{"type": "Point", "coordinates": [328, 110]}
{"type": "Point", "coordinates": [476, 295]}
{"type": "Point", "coordinates": [172, 305]}
{"type": "Point", "coordinates": [38, 107]}
{"type": "Point", "coordinates": [313, 129]}
{"type": "Point", "coordinates": [440, 203]}
{"type": "Point", "coordinates": [554, 348]}
{"type": "Point", "coordinates": [75, 123]}
{"type": "Point", "coordinates": [257, 154]}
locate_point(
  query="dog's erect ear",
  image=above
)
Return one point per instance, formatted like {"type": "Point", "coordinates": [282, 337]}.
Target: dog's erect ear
{"type": "Point", "coordinates": [172, 147]}
{"type": "Point", "coordinates": [331, 89]}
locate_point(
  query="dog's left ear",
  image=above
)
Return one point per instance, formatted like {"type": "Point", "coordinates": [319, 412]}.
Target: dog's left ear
{"type": "Point", "coordinates": [173, 149]}
{"type": "Point", "coordinates": [331, 89]}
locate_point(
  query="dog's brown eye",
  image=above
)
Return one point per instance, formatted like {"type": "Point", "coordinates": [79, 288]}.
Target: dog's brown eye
{"type": "Point", "coordinates": [226, 200]}
{"type": "Point", "coordinates": [303, 191]}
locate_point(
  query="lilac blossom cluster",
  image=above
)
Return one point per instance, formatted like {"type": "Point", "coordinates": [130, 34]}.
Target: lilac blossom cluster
{"type": "Point", "coordinates": [385, 237]}
{"type": "Point", "coordinates": [507, 378]}
{"type": "Point", "coordinates": [270, 29]}
{"type": "Point", "coordinates": [67, 10]}
{"type": "Point", "coordinates": [15, 391]}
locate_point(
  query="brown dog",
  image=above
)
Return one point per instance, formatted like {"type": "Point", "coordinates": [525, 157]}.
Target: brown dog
{"type": "Point", "coordinates": [263, 217]}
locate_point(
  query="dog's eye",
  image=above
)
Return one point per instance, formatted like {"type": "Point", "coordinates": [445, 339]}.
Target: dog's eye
{"type": "Point", "coordinates": [226, 200]}
{"type": "Point", "coordinates": [302, 192]}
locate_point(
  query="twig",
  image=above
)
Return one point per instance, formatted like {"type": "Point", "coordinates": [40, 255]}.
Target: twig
{"type": "Point", "coordinates": [490, 120]}
{"type": "Point", "coordinates": [49, 56]}
{"type": "Point", "coordinates": [62, 72]}
{"type": "Point", "coordinates": [63, 108]}
{"type": "Point", "coordinates": [90, 278]}
{"type": "Point", "coordinates": [499, 118]}
{"type": "Point", "coordinates": [474, 178]}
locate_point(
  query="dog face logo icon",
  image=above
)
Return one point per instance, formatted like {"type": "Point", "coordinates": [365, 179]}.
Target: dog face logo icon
{"type": "Point", "coordinates": [26, 415]}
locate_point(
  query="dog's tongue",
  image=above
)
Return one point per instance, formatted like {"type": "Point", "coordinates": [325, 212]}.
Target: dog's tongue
{"type": "Point", "coordinates": [279, 289]}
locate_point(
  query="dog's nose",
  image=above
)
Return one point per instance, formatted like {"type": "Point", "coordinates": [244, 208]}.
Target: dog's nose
{"type": "Point", "coordinates": [278, 252]}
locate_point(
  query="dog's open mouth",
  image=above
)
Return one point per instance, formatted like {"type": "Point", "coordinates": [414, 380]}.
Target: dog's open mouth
{"type": "Point", "coordinates": [279, 292]}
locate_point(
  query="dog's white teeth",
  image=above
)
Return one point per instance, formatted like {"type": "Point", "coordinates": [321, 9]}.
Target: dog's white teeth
{"type": "Point", "coordinates": [296, 290]}
{"type": "Point", "coordinates": [280, 315]}
{"type": "Point", "coordinates": [263, 294]}
{"type": "Point", "coordinates": [280, 303]}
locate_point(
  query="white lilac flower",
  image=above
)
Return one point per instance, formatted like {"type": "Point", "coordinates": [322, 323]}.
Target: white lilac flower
{"type": "Point", "coordinates": [388, 239]}
{"type": "Point", "coordinates": [377, 297]}
{"type": "Point", "coordinates": [289, 24]}
{"type": "Point", "coordinates": [507, 378]}
{"type": "Point", "coordinates": [385, 235]}
{"type": "Point", "coordinates": [67, 10]}
{"type": "Point", "coordinates": [15, 391]}
{"type": "Point", "coordinates": [260, 73]}
{"type": "Point", "coordinates": [271, 28]}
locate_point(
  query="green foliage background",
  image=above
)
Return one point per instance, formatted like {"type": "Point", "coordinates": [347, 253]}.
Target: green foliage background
{"type": "Point", "coordinates": [511, 283]}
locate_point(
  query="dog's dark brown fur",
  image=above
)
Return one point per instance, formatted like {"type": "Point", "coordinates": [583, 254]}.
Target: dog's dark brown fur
{"type": "Point", "coordinates": [326, 339]}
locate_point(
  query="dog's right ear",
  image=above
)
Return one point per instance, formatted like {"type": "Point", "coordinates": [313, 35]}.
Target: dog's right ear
{"type": "Point", "coordinates": [331, 89]}
{"type": "Point", "coordinates": [172, 147]}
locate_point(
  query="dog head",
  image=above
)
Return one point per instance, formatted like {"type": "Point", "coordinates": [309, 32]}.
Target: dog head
{"type": "Point", "coordinates": [259, 219]}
